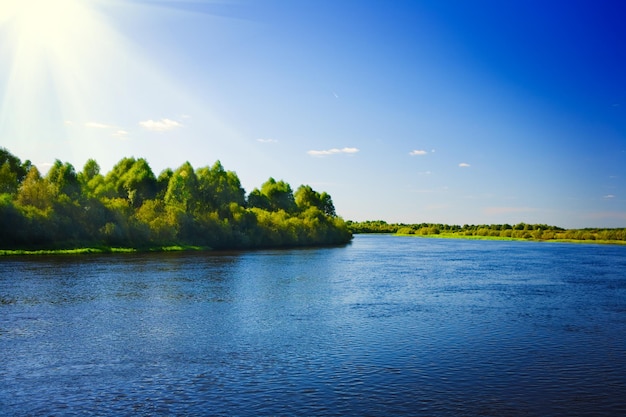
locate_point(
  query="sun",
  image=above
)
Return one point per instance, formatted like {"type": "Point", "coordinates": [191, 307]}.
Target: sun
{"type": "Point", "coordinates": [70, 67]}
{"type": "Point", "coordinates": [43, 25]}
{"type": "Point", "coordinates": [46, 50]}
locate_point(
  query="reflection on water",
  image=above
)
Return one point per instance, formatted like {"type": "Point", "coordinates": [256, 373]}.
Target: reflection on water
{"type": "Point", "coordinates": [384, 326]}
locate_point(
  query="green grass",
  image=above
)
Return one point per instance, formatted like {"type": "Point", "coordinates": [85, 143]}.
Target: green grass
{"type": "Point", "coordinates": [473, 237]}
{"type": "Point", "coordinates": [99, 250]}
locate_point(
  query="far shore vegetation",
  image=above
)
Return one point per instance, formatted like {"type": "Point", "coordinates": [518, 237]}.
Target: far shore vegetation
{"type": "Point", "coordinates": [520, 231]}
{"type": "Point", "coordinates": [131, 209]}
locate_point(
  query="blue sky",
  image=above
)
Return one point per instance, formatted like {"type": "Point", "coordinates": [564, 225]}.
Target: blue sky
{"type": "Point", "coordinates": [407, 111]}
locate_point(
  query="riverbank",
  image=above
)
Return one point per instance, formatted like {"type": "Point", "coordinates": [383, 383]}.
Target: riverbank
{"type": "Point", "coordinates": [520, 231]}
{"type": "Point", "coordinates": [101, 250]}
{"type": "Point", "coordinates": [476, 237]}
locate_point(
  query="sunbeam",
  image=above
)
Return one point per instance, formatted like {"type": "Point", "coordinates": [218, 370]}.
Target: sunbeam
{"type": "Point", "coordinates": [67, 65]}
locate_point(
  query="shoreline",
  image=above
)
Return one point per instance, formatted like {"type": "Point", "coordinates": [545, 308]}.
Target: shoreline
{"type": "Point", "coordinates": [191, 248]}
{"type": "Point", "coordinates": [474, 237]}
{"type": "Point", "coordinates": [101, 250]}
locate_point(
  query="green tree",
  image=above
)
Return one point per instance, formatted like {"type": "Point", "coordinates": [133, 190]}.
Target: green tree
{"type": "Point", "coordinates": [182, 190]}
{"type": "Point", "coordinates": [8, 179]}
{"type": "Point", "coordinates": [90, 179]}
{"type": "Point", "coordinates": [163, 182]}
{"type": "Point", "coordinates": [35, 191]}
{"type": "Point", "coordinates": [218, 188]}
{"type": "Point", "coordinates": [11, 223]}
{"type": "Point", "coordinates": [15, 165]}
{"type": "Point", "coordinates": [63, 179]}
{"type": "Point", "coordinates": [306, 197]}
{"type": "Point", "coordinates": [279, 195]}
{"type": "Point", "coordinates": [131, 179]}
{"type": "Point", "coordinates": [256, 199]}
{"type": "Point", "coordinates": [161, 226]}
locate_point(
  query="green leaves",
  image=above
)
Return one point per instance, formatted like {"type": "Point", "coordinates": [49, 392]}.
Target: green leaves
{"type": "Point", "coordinates": [129, 206]}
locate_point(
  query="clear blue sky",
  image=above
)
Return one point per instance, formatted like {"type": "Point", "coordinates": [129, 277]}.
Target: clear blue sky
{"type": "Point", "coordinates": [408, 111]}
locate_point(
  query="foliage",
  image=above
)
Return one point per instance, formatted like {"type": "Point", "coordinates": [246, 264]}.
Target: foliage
{"type": "Point", "coordinates": [131, 207]}
{"type": "Point", "coordinates": [507, 231]}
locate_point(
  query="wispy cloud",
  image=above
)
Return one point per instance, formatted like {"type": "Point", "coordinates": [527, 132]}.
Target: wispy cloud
{"type": "Point", "coordinates": [609, 196]}
{"type": "Point", "coordinates": [96, 125]}
{"type": "Point", "coordinates": [333, 151]}
{"type": "Point", "coordinates": [267, 140]}
{"type": "Point", "coordinates": [464, 165]}
{"type": "Point", "coordinates": [418, 152]}
{"type": "Point", "coordinates": [120, 134]}
{"type": "Point", "coordinates": [162, 125]}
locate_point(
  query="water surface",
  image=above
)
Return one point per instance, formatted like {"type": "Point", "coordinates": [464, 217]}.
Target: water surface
{"type": "Point", "coordinates": [384, 326]}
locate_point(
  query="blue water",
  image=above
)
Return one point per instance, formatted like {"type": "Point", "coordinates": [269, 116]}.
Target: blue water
{"type": "Point", "coordinates": [384, 326]}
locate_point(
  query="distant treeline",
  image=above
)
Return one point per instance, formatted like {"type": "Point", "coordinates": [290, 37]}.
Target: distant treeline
{"type": "Point", "coordinates": [518, 231]}
{"type": "Point", "coordinates": [131, 207]}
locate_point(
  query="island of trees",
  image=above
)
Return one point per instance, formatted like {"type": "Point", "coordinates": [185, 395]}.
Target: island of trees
{"type": "Point", "coordinates": [524, 231]}
{"type": "Point", "coordinates": [131, 207]}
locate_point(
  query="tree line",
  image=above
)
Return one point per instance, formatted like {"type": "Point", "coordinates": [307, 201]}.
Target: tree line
{"type": "Point", "coordinates": [132, 207]}
{"type": "Point", "coordinates": [516, 231]}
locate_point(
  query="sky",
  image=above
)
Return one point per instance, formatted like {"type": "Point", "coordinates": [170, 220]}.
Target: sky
{"type": "Point", "coordinates": [442, 111]}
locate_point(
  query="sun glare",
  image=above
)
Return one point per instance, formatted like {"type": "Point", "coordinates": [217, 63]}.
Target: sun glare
{"type": "Point", "coordinates": [43, 24]}
{"type": "Point", "coordinates": [46, 50]}
{"type": "Point", "coordinates": [66, 64]}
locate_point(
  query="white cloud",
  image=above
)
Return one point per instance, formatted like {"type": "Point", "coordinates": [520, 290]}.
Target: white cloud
{"type": "Point", "coordinates": [160, 125]}
{"type": "Point", "coordinates": [97, 125]}
{"type": "Point", "coordinates": [120, 133]}
{"type": "Point", "coordinates": [464, 165]}
{"type": "Point", "coordinates": [609, 196]}
{"type": "Point", "coordinates": [333, 151]}
{"type": "Point", "coordinates": [418, 152]}
{"type": "Point", "coordinates": [267, 140]}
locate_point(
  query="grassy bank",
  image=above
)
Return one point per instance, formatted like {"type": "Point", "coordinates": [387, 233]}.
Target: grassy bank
{"type": "Point", "coordinates": [476, 237]}
{"type": "Point", "coordinates": [101, 250]}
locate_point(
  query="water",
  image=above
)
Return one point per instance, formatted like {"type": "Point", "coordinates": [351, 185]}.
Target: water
{"type": "Point", "coordinates": [384, 326]}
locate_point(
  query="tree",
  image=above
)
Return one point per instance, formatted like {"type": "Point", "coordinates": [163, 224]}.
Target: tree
{"type": "Point", "coordinates": [279, 195]}
{"type": "Point", "coordinates": [63, 179]}
{"type": "Point", "coordinates": [35, 191]}
{"type": "Point", "coordinates": [129, 206]}
{"type": "Point", "coordinates": [15, 165]}
{"type": "Point", "coordinates": [218, 188]}
{"type": "Point", "coordinates": [90, 170]}
{"type": "Point", "coordinates": [306, 197]}
{"type": "Point", "coordinates": [163, 182]}
{"type": "Point", "coordinates": [327, 205]}
{"type": "Point", "coordinates": [131, 179]}
{"type": "Point", "coordinates": [182, 189]}
{"type": "Point", "coordinates": [90, 179]}
{"type": "Point", "coordinates": [256, 199]}
{"type": "Point", "coordinates": [8, 179]}
{"type": "Point", "coordinates": [139, 182]}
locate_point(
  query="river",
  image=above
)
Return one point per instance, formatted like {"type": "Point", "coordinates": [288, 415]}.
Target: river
{"type": "Point", "coordinates": [386, 325]}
